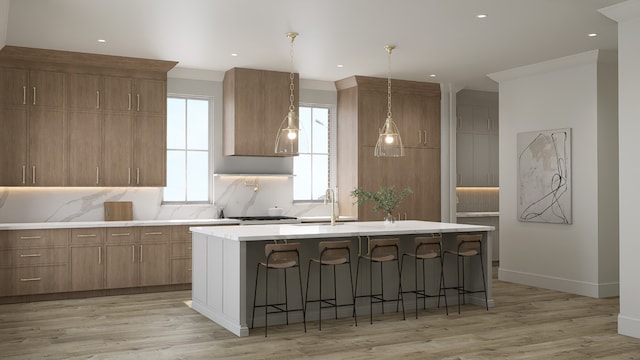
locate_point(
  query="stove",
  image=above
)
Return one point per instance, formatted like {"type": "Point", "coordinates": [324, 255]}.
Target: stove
{"type": "Point", "coordinates": [263, 220]}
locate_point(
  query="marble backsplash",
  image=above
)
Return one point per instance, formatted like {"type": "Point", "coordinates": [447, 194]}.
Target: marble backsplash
{"type": "Point", "coordinates": [237, 195]}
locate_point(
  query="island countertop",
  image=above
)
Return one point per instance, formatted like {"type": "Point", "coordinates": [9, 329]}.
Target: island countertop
{"type": "Point", "coordinates": [347, 229]}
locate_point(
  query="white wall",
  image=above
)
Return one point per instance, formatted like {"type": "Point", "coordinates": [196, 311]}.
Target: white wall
{"type": "Point", "coordinates": [4, 22]}
{"type": "Point", "coordinates": [561, 93]}
{"type": "Point", "coordinates": [628, 16]}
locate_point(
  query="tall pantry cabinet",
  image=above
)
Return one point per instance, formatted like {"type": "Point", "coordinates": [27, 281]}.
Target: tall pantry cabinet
{"type": "Point", "coordinates": [76, 119]}
{"type": "Point", "coordinates": [362, 109]}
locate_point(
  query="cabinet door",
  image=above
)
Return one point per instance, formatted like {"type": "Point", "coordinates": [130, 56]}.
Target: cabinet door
{"type": "Point", "coordinates": [464, 158]}
{"type": "Point", "coordinates": [419, 171]}
{"type": "Point", "coordinates": [46, 148]}
{"type": "Point", "coordinates": [13, 147]}
{"type": "Point", "coordinates": [465, 118]}
{"type": "Point", "coordinates": [276, 100]}
{"type": "Point", "coordinates": [481, 120]}
{"type": "Point", "coordinates": [118, 94]}
{"type": "Point", "coordinates": [149, 150]}
{"type": "Point", "coordinates": [151, 96]}
{"type": "Point", "coordinates": [87, 268]}
{"type": "Point", "coordinates": [481, 175]}
{"type": "Point", "coordinates": [121, 265]}
{"type": "Point", "coordinates": [46, 89]}
{"type": "Point", "coordinates": [181, 271]}
{"type": "Point", "coordinates": [83, 92]}
{"type": "Point", "coordinates": [85, 144]}
{"type": "Point", "coordinates": [372, 113]}
{"type": "Point", "coordinates": [154, 264]}
{"type": "Point", "coordinates": [117, 150]}
{"type": "Point", "coordinates": [493, 161]}
{"type": "Point", "coordinates": [13, 87]}
{"type": "Point", "coordinates": [493, 119]}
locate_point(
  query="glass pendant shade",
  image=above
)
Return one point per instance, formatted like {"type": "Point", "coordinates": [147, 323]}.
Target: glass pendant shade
{"type": "Point", "coordinates": [389, 141]}
{"type": "Point", "coordinates": [287, 138]}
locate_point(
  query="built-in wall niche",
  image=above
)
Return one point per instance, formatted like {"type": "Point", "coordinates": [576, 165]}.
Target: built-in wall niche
{"type": "Point", "coordinates": [477, 199]}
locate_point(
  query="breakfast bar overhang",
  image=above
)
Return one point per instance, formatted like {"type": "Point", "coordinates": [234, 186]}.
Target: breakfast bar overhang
{"type": "Point", "coordinates": [224, 259]}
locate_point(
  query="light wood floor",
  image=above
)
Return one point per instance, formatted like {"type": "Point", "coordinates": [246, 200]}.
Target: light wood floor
{"type": "Point", "coordinates": [526, 323]}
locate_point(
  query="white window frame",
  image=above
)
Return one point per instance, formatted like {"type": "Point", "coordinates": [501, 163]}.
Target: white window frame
{"type": "Point", "coordinates": [332, 147]}
{"type": "Point", "coordinates": [209, 151]}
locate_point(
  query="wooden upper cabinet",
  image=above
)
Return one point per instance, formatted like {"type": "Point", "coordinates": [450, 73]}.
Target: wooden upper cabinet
{"type": "Point", "coordinates": [118, 94]}
{"type": "Point", "coordinates": [85, 148]}
{"type": "Point", "coordinates": [151, 96]}
{"type": "Point", "coordinates": [149, 147]}
{"type": "Point", "coordinates": [13, 147]}
{"type": "Point", "coordinates": [13, 87]}
{"type": "Point", "coordinates": [118, 149]}
{"type": "Point", "coordinates": [46, 89]}
{"type": "Point", "coordinates": [47, 160]}
{"type": "Point", "coordinates": [255, 102]}
{"type": "Point", "coordinates": [83, 92]}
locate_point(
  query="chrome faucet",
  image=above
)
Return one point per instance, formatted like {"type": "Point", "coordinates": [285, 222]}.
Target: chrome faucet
{"type": "Point", "coordinates": [332, 194]}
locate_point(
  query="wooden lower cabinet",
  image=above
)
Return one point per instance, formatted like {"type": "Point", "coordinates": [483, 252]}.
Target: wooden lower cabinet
{"type": "Point", "coordinates": [34, 280]}
{"type": "Point", "coordinates": [181, 271]}
{"type": "Point", "coordinates": [121, 266]}
{"type": "Point", "coordinates": [180, 254]}
{"type": "Point", "coordinates": [154, 259]}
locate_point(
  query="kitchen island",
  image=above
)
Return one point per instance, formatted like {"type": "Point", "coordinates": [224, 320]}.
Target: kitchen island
{"type": "Point", "coordinates": [225, 258]}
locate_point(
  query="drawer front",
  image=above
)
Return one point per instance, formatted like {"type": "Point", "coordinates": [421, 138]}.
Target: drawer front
{"type": "Point", "coordinates": [155, 233]}
{"type": "Point", "coordinates": [123, 234]}
{"type": "Point", "coordinates": [26, 257]}
{"type": "Point", "coordinates": [34, 280]}
{"type": "Point", "coordinates": [87, 236]}
{"type": "Point", "coordinates": [20, 239]}
{"type": "Point", "coordinates": [180, 233]}
{"type": "Point", "coordinates": [181, 250]}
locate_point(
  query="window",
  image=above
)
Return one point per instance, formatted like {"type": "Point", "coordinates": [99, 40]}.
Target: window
{"type": "Point", "coordinates": [311, 168]}
{"type": "Point", "coordinates": [187, 150]}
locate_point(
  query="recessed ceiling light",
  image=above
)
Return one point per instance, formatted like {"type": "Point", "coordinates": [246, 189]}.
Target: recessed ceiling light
{"type": "Point", "coordinates": [593, 35]}
{"type": "Point", "coordinates": [234, 54]}
{"type": "Point", "coordinates": [102, 40]}
{"type": "Point", "coordinates": [432, 75]}
{"type": "Point", "coordinates": [481, 16]}
{"type": "Point", "coordinates": [340, 65]}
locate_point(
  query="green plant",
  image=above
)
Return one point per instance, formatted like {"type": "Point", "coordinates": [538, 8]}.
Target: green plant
{"type": "Point", "coordinates": [386, 199]}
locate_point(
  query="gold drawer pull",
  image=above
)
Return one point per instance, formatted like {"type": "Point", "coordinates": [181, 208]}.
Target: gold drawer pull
{"type": "Point", "coordinates": [120, 234]}
{"type": "Point", "coordinates": [189, 269]}
{"type": "Point", "coordinates": [30, 237]}
{"type": "Point", "coordinates": [154, 233]}
{"type": "Point", "coordinates": [189, 248]}
{"type": "Point", "coordinates": [86, 235]}
{"type": "Point", "coordinates": [30, 279]}
{"type": "Point", "coordinates": [29, 255]}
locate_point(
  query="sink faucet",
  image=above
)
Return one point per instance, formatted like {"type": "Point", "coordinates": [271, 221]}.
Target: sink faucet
{"type": "Point", "coordinates": [332, 194]}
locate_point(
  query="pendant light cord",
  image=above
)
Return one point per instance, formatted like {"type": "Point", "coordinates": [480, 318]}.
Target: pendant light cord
{"type": "Point", "coordinates": [389, 49]}
{"type": "Point", "coordinates": [292, 37]}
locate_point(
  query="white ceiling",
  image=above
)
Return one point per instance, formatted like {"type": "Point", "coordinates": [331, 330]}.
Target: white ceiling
{"type": "Point", "coordinates": [441, 37]}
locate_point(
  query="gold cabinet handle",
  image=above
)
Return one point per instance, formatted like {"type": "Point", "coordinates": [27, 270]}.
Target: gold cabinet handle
{"type": "Point", "coordinates": [33, 172]}
{"type": "Point", "coordinates": [426, 139]}
{"type": "Point", "coordinates": [120, 234]}
{"type": "Point", "coordinates": [29, 255]}
{"type": "Point", "coordinates": [97, 175]}
{"type": "Point", "coordinates": [99, 255]}
{"type": "Point", "coordinates": [129, 178]}
{"type": "Point", "coordinates": [189, 269]}
{"type": "Point", "coordinates": [98, 99]}
{"type": "Point", "coordinates": [140, 253]}
{"type": "Point", "coordinates": [419, 137]}
{"type": "Point", "coordinates": [154, 233]}
{"type": "Point", "coordinates": [24, 174]}
{"type": "Point", "coordinates": [133, 253]}
{"type": "Point", "coordinates": [86, 235]}
{"type": "Point", "coordinates": [34, 95]}
{"type": "Point", "coordinates": [137, 176]}
{"type": "Point", "coordinates": [138, 100]}
{"type": "Point", "coordinates": [129, 108]}
{"type": "Point", "coordinates": [30, 237]}
{"type": "Point", "coordinates": [189, 248]}
{"type": "Point", "coordinates": [30, 279]}
{"type": "Point", "coordinates": [24, 95]}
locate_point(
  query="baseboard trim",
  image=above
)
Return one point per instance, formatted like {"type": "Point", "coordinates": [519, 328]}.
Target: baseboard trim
{"type": "Point", "coordinates": [560, 284]}
{"type": "Point", "coordinates": [628, 326]}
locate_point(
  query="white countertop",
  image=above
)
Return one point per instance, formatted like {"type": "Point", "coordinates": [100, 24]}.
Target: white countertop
{"type": "Point", "coordinates": [478, 214]}
{"type": "Point", "coordinates": [90, 224]}
{"type": "Point", "coordinates": [346, 229]}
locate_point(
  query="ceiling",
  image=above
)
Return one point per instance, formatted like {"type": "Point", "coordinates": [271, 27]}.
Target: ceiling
{"type": "Point", "coordinates": [441, 37]}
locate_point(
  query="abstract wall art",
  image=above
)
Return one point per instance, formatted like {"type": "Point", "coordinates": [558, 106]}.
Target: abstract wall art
{"type": "Point", "coordinates": [544, 176]}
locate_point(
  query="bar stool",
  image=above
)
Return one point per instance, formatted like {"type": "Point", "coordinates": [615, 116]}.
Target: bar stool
{"type": "Point", "coordinates": [332, 253]}
{"type": "Point", "coordinates": [380, 251]}
{"type": "Point", "coordinates": [426, 248]}
{"type": "Point", "coordinates": [279, 257]}
{"type": "Point", "coordinates": [468, 246]}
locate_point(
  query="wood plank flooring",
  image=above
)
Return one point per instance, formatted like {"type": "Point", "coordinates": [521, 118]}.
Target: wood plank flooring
{"type": "Point", "coordinates": [526, 323]}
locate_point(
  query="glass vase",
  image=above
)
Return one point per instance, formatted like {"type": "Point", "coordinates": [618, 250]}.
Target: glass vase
{"type": "Point", "coordinates": [388, 219]}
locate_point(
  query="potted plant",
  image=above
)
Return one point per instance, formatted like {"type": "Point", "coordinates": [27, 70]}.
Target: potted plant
{"type": "Point", "coordinates": [386, 199]}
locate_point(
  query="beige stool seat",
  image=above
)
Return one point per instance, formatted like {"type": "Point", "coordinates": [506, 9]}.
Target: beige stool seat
{"type": "Point", "coordinates": [278, 257]}
{"type": "Point", "coordinates": [332, 253]}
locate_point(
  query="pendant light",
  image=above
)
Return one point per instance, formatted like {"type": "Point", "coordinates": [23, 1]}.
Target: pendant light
{"type": "Point", "coordinates": [389, 142]}
{"type": "Point", "coordinates": [287, 137]}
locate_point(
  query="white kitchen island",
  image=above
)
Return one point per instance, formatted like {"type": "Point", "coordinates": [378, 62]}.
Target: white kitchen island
{"type": "Point", "coordinates": [225, 258]}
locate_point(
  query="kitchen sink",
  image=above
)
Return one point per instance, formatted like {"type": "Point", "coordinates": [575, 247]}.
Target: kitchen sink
{"type": "Point", "coordinates": [318, 224]}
